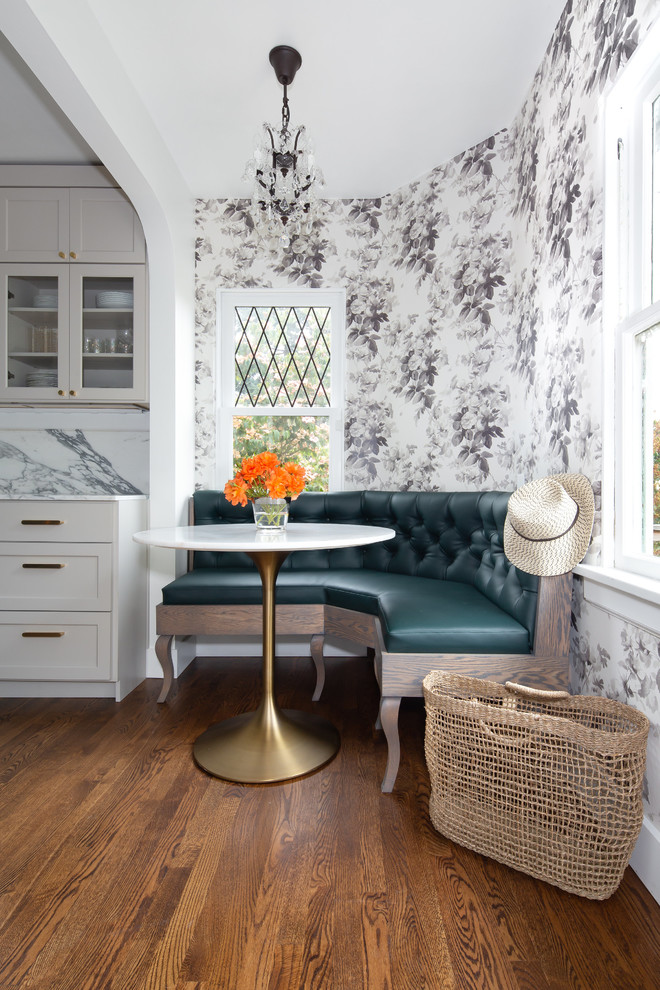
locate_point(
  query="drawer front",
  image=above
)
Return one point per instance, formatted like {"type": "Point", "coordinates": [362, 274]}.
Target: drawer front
{"type": "Point", "coordinates": [39, 646]}
{"type": "Point", "coordinates": [70, 576]}
{"type": "Point", "coordinates": [57, 522]}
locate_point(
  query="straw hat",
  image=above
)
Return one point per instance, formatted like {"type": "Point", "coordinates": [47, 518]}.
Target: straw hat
{"type": "Point", "coordinates": [548, 524]}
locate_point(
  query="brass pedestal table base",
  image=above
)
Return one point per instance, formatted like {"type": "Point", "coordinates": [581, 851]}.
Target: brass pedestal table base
{"type": "Point", "coordinates": [265, 746]}
{"type": "Point", "coordinates": [271, 743]}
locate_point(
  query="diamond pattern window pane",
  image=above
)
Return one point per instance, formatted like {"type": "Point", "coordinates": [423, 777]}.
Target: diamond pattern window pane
{"type": "Point", "coordinates": [282, 355]}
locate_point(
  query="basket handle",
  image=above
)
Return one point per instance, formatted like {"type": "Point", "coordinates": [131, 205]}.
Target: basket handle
{"type": "Point", "coordinates": [535, 694]}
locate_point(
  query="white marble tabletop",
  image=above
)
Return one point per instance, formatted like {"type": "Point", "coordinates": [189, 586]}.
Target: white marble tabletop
{"type": "Point", "coordinates": [246, 537]}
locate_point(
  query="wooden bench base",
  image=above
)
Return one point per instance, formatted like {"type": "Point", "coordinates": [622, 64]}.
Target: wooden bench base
{"type": "Point", "coordinates": [399, 675]}
{"type": "Point", "coordinates": [239, 620]}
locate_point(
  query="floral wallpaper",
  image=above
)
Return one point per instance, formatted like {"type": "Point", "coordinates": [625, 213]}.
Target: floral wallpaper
{"type": "Point", "coordinates": [473, 316]}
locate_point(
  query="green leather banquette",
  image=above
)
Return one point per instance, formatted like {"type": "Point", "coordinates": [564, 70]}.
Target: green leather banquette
{"type": "Point", "coordinates": [440, 594]}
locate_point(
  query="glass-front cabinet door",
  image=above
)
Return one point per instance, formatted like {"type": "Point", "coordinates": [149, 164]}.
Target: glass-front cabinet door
{"type": "Point", "coordinates": [73, 333]}
{"type": "Point", "coordinates": [108, 359]}
{"type": "Point", "coordinates": [34, 324]}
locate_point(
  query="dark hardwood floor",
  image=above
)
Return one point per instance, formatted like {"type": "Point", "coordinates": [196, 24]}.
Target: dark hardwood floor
{"type": "Point", "coordinates": [124, 866]}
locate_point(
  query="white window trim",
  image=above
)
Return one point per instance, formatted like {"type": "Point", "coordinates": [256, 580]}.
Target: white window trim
{"type": "Point", "coordinates": [621, 570]}
{"type": "Point", "coordinates": [628, 445]}
{"type": "Point", "coordinates": [226, 300]}
{"type": "Point", "coordinates": [631, 597]}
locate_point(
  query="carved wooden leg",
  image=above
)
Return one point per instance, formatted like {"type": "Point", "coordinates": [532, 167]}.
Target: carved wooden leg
{"type": "Point", "coordinates": [316, 649]}
{"type": "Point", "coordinates": [389, 719]}
{"type": "Point", "coordinates": [164, 654]}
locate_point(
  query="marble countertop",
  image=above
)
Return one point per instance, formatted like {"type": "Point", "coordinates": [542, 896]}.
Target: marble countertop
{"type": "Point", "coordinates": [80, 497]}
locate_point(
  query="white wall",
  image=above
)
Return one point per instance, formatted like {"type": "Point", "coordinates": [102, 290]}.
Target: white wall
{"type": "Point", "coordinates": [65, 48]}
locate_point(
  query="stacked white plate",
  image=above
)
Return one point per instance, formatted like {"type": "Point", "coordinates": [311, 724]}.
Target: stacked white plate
{"type": "Point", "coordinates": [114, 300]}
{"type": "Point", "coordinates": [41, 379]}
{"type": "Point", "coordinates": [45, 299]}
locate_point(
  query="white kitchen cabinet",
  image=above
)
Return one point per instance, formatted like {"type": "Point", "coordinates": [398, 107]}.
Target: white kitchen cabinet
{"type": "Point", "coordinates": [73, 587]}
{"type": "Point", "coordinates": [73, 333]}
{"type": "Point", "coordinates": [75, 226]}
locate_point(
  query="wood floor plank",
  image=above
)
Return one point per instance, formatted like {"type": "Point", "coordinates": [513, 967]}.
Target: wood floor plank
{"type": "Point", "coordinates": [85, 866]}
{"type": "Point", "coordinates": [170, 951]}
{"type": "Point", "coordinates": [125, 867]}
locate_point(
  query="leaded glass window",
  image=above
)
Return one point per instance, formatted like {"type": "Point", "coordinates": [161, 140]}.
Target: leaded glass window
{"type": "Point", "coordinates": [282, 355]}
{"type": "Point", "coordinates": [281, 380]}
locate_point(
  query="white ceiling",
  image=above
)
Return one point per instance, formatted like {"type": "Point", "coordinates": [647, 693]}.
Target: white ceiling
{"type": "Point", "coordinates": [387, 90]}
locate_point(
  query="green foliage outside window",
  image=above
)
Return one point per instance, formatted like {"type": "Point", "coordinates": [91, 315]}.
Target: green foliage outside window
{"type": "Point", "coordinates": [302, 439]}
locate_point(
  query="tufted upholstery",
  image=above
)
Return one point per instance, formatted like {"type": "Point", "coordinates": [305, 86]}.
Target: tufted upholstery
{"type": "Point", "coordinates": [450, 537]}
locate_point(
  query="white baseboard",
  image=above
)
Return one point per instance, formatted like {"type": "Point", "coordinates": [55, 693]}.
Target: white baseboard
{"type": "Point", "coordinates": [153, 669]}
{"type": "Point", "coordinates": [645, 859]}
{"type": "Point", "coordinates": [250, 646]}
{"type": "Point", "coordinates": [184, 651]}
{"type": "Point", "coordinates": [58, 689]}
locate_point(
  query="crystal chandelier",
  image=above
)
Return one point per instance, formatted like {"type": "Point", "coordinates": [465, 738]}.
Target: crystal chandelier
{"type": "Point", "coordinates": [283, 173]}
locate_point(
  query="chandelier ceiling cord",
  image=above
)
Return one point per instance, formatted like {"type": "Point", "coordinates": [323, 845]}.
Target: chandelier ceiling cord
{"type": "Point", "coordinates": [283, 172]}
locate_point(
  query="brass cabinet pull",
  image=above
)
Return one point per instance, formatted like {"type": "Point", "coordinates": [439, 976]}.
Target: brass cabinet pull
{"type": "Point", "coordinates": [50, 566]}
{"type": "Point", "coordinates": [61, 254]}
{"type": "Point", "coordinates": [72, 392]}
{"type": "Point", "coordinates": [61, 391]}
{"type": "Point", "coordinates": [42, 635]}
{"type": "Point", "coordinates": [42, 522]}
{"type": "Point", "coordinates": [72, 254]}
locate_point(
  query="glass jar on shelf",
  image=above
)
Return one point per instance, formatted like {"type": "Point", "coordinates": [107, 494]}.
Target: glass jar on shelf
{"type": "Point", "coordinates": [125, 342]}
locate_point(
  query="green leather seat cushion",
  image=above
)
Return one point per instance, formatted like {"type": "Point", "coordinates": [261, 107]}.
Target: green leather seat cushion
{"type": "Point", "coordinates": [242, 586]}
{"type": "Point", "coordinates": [417, 614]}
{"type": "Point", "coordinates": [455, 619]}
{"type": "Point", "coordinates": [350, 588]}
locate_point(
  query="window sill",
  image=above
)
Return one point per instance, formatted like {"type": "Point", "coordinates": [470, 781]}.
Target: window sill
{"type": "Point", "coordinates": [630, 596]}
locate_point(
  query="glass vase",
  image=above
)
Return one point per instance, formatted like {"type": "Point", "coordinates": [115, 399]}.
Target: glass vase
{"type": "Point", "coordinates": [271, 514]}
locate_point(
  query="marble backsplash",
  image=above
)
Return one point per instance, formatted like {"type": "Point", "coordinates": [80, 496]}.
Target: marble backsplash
{"type": "Point", "coordinates": [87, 454]}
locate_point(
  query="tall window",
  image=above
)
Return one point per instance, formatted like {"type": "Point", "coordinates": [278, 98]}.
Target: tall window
{"type": "Point", "coordinates": [281, 380]}
{"type": "Point", "coordinates": [632, 306]}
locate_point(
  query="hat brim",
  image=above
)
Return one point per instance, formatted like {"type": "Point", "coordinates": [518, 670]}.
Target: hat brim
{"type": "Point", "coordinates": [547, 558]}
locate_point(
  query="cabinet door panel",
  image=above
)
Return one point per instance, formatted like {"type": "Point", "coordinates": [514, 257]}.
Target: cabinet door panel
{"type": "Point", "coordinates": [34, 224]}
{"type": "Point", "coordinates": [104, 227]}
{"type": "Point", "coordinates": [34, 330]}
{"type": "Point", "coordinates": [108, 330]}
{"type": "Point", "coordinates": [70, 576]}
{"type": "Point", "coordinates": [66, 521]}
{"type": "Point", "coordinates": [55, 646]}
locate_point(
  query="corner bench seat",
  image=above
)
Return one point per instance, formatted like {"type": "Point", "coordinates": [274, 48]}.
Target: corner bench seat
{"type": "Point", "coordinates": [411, 610]}
{"type": "Point", "coordinates": [441, 594]}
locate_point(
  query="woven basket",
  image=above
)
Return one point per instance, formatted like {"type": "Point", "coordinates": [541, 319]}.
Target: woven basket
{"type": "Point", "coordinates": [545, 782]}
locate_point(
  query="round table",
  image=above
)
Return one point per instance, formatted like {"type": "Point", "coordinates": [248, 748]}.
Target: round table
{"type": "Point", "coordinates": [269, 744]}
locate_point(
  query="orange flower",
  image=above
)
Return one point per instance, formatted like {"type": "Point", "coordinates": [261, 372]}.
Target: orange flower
{"type": "Point", "coordinates": [268, 461]}
{"type": "Point", "coordinates": [251, 468]}
{"type": "Point", "coordinates": [278, 483]}
{"type": "Point", "coordinates": [264, 475]}
{"type": "Point", "coordinates": [236, 491]}
{"type": "Point", "coordinates": [296, 478]}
